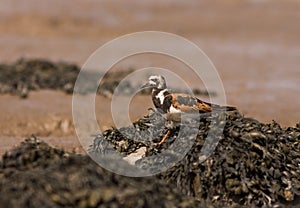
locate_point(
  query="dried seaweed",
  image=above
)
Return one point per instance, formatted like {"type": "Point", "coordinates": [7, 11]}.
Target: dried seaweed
{"type": "Point", "coordinates": [27, 75]}
{"type": "Point", "coordinates": [37, 175]}
{"type": "Point", "coordinates": [254, 164]}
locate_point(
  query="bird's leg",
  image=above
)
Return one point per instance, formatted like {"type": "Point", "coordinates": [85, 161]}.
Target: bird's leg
{"type": "Point", "coordinates": [165, 137]}
{"type": "Point", "coordinates": [170, 127]}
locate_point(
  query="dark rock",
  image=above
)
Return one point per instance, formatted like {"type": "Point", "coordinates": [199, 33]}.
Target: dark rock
{"type": "Point", "coordinates": [27, 75]}
{"type": "Point", "coordinates": [24, 76]}
{"type": "Point", "coordinates": [254, 164]}
{"type": "Point", "coordinates": [43, 176]}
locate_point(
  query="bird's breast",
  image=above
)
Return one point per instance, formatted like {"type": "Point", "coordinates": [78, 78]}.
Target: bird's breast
{"type": "Point", "coordinates": [172, 109]}
{"type": "Point", "coordinates": [161, 100]}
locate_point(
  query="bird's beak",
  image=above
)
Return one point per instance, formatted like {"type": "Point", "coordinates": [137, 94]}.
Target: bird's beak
{"type": "Point", "coordinates": [147, 85]}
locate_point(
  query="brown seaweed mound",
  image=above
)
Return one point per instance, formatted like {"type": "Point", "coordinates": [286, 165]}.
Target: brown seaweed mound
{"type": "Point", "coordinates": [254, 164]}
{"type": "Point", "coordinates": [37, 175]}
{"type": "Point", "coordinates": [27, 75]}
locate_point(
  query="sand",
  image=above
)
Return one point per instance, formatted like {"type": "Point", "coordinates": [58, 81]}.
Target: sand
{"type": "Point", "coordinates": [253, 44]}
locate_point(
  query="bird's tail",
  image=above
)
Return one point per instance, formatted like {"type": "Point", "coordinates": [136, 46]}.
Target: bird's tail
{"type": "Point", "coordinates": [216, 107]}
{"type": "Point", "coordinates": [222, 108]}
{"type": "Point", "coordinates": [230, 108]}
{"type": "Point", "coordinates": [205, 107]}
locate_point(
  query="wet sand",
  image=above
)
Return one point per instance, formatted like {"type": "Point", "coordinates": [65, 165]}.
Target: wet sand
{"type": "Point", "coordinates": [48, 115]}
{"type": "Point", "coordinates": [254, 45]}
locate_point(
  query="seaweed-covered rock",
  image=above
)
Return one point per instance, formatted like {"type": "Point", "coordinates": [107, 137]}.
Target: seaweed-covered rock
{"type": "Point", "coordinates": [24, 75]}
{"type": "Point", "coordinates": [43, 176]}
{"type": "Point", "coordinates": [27, 75]}
{"type": "Point", "coordinates": [253, 164]}
{"type": "Point", "coordinates": [31, 153]}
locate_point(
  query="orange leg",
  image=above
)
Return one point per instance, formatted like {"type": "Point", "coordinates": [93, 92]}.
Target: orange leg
{"type": "Point", "coordinates": [165, 137]}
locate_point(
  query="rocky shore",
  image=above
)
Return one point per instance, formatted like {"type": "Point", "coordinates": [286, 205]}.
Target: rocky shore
{"type": "Point", "coordinates": [253, 165]}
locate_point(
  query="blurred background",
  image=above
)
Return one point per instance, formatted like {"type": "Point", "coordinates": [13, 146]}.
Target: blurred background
{"type": "Point", "coordinates": [254, 44]}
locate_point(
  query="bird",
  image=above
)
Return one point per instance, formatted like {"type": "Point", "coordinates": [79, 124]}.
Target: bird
{"type": "Point", "coordinates": [173, 105]}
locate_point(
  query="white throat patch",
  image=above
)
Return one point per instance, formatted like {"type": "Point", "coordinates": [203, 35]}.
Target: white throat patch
{"type": "Point", "coordinates": [161, 96]}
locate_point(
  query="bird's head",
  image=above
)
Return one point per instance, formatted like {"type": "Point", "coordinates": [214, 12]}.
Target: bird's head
{"type": "Point", "coordinates": [156, 82]}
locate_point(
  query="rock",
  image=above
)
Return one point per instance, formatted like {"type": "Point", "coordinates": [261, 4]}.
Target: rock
{"type": "Point", "coordinates": [254, 164]}
{"type": "Point", "coordinates": [133, 157]}
{"type": "Point", "coordinates": [37, 175]}
{"type": "Point", "coordinates": [26, 75]}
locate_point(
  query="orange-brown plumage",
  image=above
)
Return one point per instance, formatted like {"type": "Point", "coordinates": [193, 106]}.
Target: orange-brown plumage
{"type": "Point", "coordinates": [190, 104]}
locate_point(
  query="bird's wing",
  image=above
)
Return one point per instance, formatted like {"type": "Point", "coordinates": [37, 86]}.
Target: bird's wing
{"type": "Point", "coordinates": [204, 107]}
{"type": "Point", "coordinates": [189, 104]}
{"type": "Point", "coordinates": [213, 107]}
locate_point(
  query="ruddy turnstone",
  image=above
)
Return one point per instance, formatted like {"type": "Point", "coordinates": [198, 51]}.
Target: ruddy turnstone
{"type": "Point", "coordinates": [172, 105]}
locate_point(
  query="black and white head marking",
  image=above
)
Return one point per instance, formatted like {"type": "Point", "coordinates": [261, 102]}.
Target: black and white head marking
{"type": "Point", "coordinates": [157, 82]}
